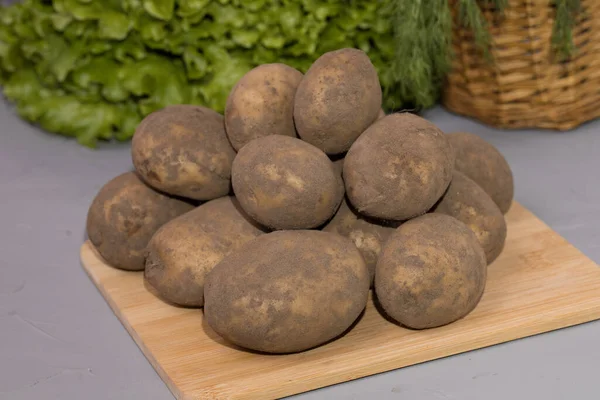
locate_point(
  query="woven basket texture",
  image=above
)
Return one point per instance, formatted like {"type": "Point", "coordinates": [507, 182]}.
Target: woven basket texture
{"type": "Point", "coordinates": [525, 85]}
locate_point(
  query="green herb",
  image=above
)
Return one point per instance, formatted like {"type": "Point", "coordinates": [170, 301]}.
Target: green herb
{"type": "Point", "coordinates": [422, 34]}
{"type": "Point", "coordinates": [562, 36]}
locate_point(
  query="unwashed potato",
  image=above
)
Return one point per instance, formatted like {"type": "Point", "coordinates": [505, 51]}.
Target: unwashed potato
{"type": "Point", "coordinates": [398, 168]}
{"type": "Point", "coordinates": [183, 150]}
{"type": "Point", "coordinates": [467, 202]}
{"type": "Point", "coordinates": [368, 234]}
{"type": "Point", "coordinates": [123, 217]}
{"type": "Point", "coordinates": [185, 249]}
{"type": "Point", "coordinates": [287, 291]}
{"type": "Point", "coordinates": [285, 183]}
{"type": "Point", "coordinates": [262, 104]}
{"type": "Point", "coordinates": [381, 114]}
{"type": "Point", "coordinates": [431, 272]}
{"type": "Point", "coordinates": [483, 163]}
{"type": "Point", "coordinates": [338, 98]}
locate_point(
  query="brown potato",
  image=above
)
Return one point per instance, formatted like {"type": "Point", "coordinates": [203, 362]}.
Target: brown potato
{"type": "Point", "coordinates": [287, 291]}
{"type": "Point", "coordinates": [367, 234]}
{"type": "Point", "coordinates": [398, 168]}
{"type": "Point", "coordinates": [262, 104]}
{"type": "Point", "coordinates": [123, 217]}
{"type": "Point", "coordinates": [381, 114]}
{"type": "Point", "coordinates": [285, 183]}
{"type": "Point", "coordinates": [483, 163]}
{"type": "Point", "coordinates": [338, 98]}
{"type": "Point", "coordinates": [183, 150]}
{"type": "Point", "coordinates": [184, 250]}
{"type": "Point", "coordinates": [431, 272]}
{"type": "Point", "coordinates": [467, 202]}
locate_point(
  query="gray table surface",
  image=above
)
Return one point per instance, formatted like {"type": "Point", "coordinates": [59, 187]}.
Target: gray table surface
{"type": "Point", "coordinates": [60, 340]}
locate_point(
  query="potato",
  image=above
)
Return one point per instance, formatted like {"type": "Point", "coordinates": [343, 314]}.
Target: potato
{"type": "Point", "coordinates": [381, 114]}
{"type": "Point", "coordinates": [467, 202]}
{"type": "Point", "coordinates": [185, 249]}
{"type": "Point", "coordinates": [483, 163]}
{"type": "Point", "coordinates": [262, 104]}
{"type": "Point", "coordinates": [183, 150]}
{"type": "Point", "coordinates": [285, 183]}
{"type": "Point", "coordinates": [123, 217]}
{"type": "Point", "coordinates": [287, 291]}
{"type": "Point", "coordinates": [398, 168]}
{"type": "Point", "coordinates": [338, 98]}
{"type": "Point", "coordinates": [367, 234]}
{"type": "Point", "coordinates": [431, 272]}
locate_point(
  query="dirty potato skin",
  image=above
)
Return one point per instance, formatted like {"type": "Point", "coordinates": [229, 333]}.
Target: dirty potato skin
{"type": "Point", "coordinates": [398, 168]}
{"type": "Point", "coordinates": [338, 98]}
{"type": "Point", "coordinates": [431, 272]}
{"type": "Point", "coordinates": [368, 234]}
{"type": "Point", "coordinates": [482, 162]}
{"type": "Point", "coordinates": [285, 183]}
{"type": "Point", "coordinates": [287, 291]}
{"type": "Point", "coordinates": [469, 203]}
{"type": "Point", "coordinates": [262, 104]}
{"type": "Point", "coordinates": [183, 150]}
{"type": "Point", "coordinates": [123, 217]}
{"type": "Point", "coordinates": [185, 249]}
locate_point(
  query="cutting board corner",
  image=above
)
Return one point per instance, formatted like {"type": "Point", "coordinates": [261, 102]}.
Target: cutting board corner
{"type": "Point", "coordinates": [540, 283]}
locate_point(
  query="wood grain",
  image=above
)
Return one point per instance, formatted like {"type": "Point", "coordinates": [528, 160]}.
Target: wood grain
{"type": "Point", "coordinates": [539, 283]}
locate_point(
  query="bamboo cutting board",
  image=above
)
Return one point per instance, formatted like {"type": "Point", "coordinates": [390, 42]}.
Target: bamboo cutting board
{"type": "Point", "coordinates": [539, 283]}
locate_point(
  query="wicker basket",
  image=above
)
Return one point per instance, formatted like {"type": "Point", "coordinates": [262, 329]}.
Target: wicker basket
{"type": "Point", "coordinates": [525, 86]}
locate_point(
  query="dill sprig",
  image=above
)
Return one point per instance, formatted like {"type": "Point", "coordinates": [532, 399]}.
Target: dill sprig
{"type": "Point", "coordinates": [423, 34]}
{"type": "Point", "coordinates": [562, 32]}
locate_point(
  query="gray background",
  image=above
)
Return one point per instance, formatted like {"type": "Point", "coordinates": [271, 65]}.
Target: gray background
{"type": "Point", "coordinates": [60, 340]}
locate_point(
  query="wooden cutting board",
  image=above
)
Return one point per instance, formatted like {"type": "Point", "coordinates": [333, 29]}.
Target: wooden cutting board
{"type": "Point", "coordinates": [539, 283]}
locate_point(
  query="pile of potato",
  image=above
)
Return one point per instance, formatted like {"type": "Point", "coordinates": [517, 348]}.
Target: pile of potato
{"type": "Point", "coordinates": [278, 217]}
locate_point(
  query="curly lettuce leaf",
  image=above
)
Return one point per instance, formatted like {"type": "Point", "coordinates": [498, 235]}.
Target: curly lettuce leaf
{"type": "Point", "coordinates": [158, 81]}
{"type": "Point", "coordinates": [61, 21]}
{"type": "Point", "coordinates": [160, 9]}
{"type": "Point", "coordinates": [58, 112]}
{"type": "Point", "coordinates": [245, 38]}
{"type": "Point", "coordinates": [107, 74]}
{"type": "Point", "coordinates": [151, 30]}
{"type": "Point", "coordinates": [66, 60]}
{"type": "Point", "coordinates": [129, 50]}
{"type": "Point", "coordinates": [228, 15]}
{"type": "Point", "coordinates": [253, 5]}
{"type": "Point", "coordinates": [11, 58]}
{"type": "Point", "coordinates": [189, 8]}
{"type": "Point", "coordinates": [226, 70]}
{"type": "Point", "coordinates": [196, 64]}
{"type": "Point", "coordinates": [96, 47]}
{"type": "Point", "coordinates": [80, 11]}
{"type": "Point", "coordinates": [113, 25]}
{"type": "Point", "coordinates": [290, 17]}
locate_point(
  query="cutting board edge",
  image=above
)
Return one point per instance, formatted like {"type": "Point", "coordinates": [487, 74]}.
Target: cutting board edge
{"type": "Point", "coordinates": [221, 391]}
{"type": "Point", "coordinates": [88, 249]}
